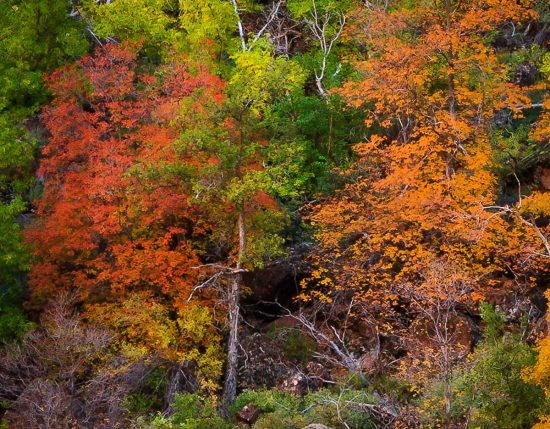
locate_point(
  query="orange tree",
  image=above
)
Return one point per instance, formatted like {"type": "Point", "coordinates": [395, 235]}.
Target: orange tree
{"type": "Point", "coordinates": [423, 183]}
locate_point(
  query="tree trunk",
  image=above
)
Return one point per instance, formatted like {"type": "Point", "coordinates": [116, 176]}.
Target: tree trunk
{"type": "Point", "coordinates": [242, 35]}
{"type": "Point", "coordinates": [231, 371]}
{"type": "Point", "coordinates": [230, 385]}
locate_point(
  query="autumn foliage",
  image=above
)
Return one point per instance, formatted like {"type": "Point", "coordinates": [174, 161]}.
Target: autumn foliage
{"type": "Point", "coordinates": [423, 185]}
{"type": "Point", "coordinates": [278, 213]}
{"type": "Point", "coordinates": [106, 226]}
{"type": "Point", "coordinates": [116, 221]}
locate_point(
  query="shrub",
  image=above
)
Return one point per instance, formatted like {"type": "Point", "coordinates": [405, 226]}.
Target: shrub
{"type": "Point", "coordinates": [489, 389]}
{"type": "Point", "coordinates": [190, 412]}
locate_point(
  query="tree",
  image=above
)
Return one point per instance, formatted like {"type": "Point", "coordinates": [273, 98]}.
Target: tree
{"type": "Point", "coordinates": [433, 339]}
{"type": "Point", "coordinates": [490, 391]}
{"type": "Point", "coordinates": [419, 186]}
{"type": "Point", "coordinates": [34, 37]}
{"type": "Point", "coordinates": [63, 374]}
{"type": "Point", "coordinates": [115, 222]}
{"type": "Point", "coordinates": [152, 21]}
{"type": "Point", "coordinates": [233, 185]}
{"type": "Point", "coordinates": [105, 134]}
{"type": "Point", "coordinates": [326, 23]}
{"type": "Point", "coordinates": [14, 260]}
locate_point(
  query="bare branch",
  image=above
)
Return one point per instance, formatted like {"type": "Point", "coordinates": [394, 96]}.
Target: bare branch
{"type": "Point", "coordinates": [212, 280]}
{"type": "Point", "coordinates": [319, 26]}
{"type": "Point", "coordinates": [274, 12]}
{"type": "Point", "coordinates": [516, 212]}
{"type": "Point", "coordinates": [337, 345]}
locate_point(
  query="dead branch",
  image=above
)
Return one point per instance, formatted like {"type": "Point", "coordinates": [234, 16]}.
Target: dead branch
{"type": "Point", "coordinates": [320, 26]}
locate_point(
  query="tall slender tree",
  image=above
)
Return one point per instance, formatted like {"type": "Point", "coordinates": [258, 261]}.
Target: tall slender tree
{"type": "Point", "coordinates": [234, 184]}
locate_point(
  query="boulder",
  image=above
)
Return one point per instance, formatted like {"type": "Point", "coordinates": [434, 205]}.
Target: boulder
{"type": "Point", "coordinates": [296, 384]}
{"type": "Point", "coordinates": [248, 414]}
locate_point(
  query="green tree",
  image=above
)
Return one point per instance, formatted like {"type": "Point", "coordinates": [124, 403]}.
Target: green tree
{"type": "Point", "coordinates": [35, 36]}
{"type": "Point", "coordinates": [232, 183]}
{"type": "Point", "coordinates": [13, 263]}
{"type": "Point", "coordinates": [491, 391]}
{"type": "Point", "coordinates": [191, 26]}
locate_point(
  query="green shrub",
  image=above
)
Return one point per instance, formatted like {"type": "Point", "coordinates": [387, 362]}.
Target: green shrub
{"type": "Point", "coordinates": [492, 390]}
{"type": "Point", "coordinates": [268, 401]}
{"type": "Point", "coordinates": [489, 389]}
{"type": "Point", "coordinates": [190, 412]}
{"type": "Point", "coordinates": [340, 409]}
{"type": "Point", "coordinates": [280, 419]}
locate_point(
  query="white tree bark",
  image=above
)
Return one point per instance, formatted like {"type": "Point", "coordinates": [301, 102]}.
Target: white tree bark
{"type": "Point", "coordinates": [319, 26]}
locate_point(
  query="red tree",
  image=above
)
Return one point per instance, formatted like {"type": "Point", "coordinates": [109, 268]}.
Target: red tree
{"type": "Point", "coordinates": [115, 214]}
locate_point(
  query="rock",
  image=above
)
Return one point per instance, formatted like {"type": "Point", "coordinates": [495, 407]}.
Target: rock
{"type": "Point", "coordinates": [316, 426]}
{"type": "Point", "coordinates": [248, 414]}
{"type": "Point", "coordinates": [296, 384]}
{"type": "Point", "coordinates": [283, 322]}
